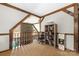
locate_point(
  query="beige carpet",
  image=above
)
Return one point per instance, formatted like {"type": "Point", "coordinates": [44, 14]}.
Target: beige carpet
{"type": "Point", "coordinates": [35, 49]}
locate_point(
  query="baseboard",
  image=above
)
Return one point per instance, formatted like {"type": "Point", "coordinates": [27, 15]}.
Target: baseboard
{"type": "Point", "coordinates": [5, 50]}
{"type": "Point", "coordinates": [70, 50]}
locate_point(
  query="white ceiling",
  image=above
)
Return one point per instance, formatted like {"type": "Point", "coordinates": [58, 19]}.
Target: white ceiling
{"type": "Point", "coordinates": [32, 20]}
{"type": "Point", "coordinates": [40, 8]}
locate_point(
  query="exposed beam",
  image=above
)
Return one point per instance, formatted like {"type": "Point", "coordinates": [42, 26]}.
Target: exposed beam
{"type": "Point", "coordinates": [78, 10]}
{"type": "Point", "coordinates": [76, 28]}
{"type": "Point", "coordinates": [20, 22]}
{"type": "Point", "coordinates": [35, 23]}
{"type": "Point", "coordinates": [68, 12]}
{"type": "Point", "coordinates": [17, 8]}
{"type": "Point", "coordinates": [35, 28]}
{"type": "Point", "coordinates": [11, 6]}
{"type": "Point", "coordinates": [1, 34]}
{"type": "Point", "coordinates": [42, 19]}
{"type": "Point", "coordinates": [10, 39]}
{"type": "Point", "coordinates": [59, 10]}
{"type": "Point", "coordinates": [40, 24]}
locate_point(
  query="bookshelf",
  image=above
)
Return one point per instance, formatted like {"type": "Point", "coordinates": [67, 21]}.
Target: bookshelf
{"type": "Point", "coordinates": [51, 34]}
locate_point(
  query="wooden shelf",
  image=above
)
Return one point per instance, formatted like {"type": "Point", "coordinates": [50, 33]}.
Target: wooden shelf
{"type": "Point", "coordinates": [51, 34]}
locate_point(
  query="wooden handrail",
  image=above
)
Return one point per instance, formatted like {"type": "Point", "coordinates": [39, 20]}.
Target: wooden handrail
{"type": "Point", "coordinates": [19, 9]}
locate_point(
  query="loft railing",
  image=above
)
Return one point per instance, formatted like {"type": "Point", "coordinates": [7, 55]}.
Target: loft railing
{"type": "Point", "coordinates": [20, 39]}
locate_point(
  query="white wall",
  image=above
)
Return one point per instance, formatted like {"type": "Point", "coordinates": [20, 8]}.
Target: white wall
{"type": "Point", "coordinates": [70, 42]}
{"type": "Point", "coordinates": [65, 24]}
{"type": "Point", "coordinates": [4, 43]}
{"type": "Point", "coordinates": [37, 27]}
{"type": "Point", "coordinates": [63, 20]}
{"type": "Point", "coordinates": [8, 18]}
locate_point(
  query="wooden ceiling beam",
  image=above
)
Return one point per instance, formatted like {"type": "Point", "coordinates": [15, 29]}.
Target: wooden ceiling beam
{"type": "Point", "coordinates": [19, 9]}
{"type": "Point", "coordinates": [35, 28]}
{"type": "Point", "coordinates": [59, 10]}
{"type": "Point", "coordinates": [42, 19]}
{"type": "Point", "coordinates": [35, 23]}
{"type": "Point", "coordinates": [68, 12]}
{"type": "Point", "coordinates": [11, 6]}
{"type": "Point", "coordinates": [19, 22]}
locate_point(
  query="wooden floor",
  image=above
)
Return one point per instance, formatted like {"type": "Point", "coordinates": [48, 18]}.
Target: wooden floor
{"type": "Point", "coordinates": [35, 49]}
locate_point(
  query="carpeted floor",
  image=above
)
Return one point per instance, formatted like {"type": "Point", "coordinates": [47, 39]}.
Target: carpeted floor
{"type": "Point", "coordinates": [35, 49]}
